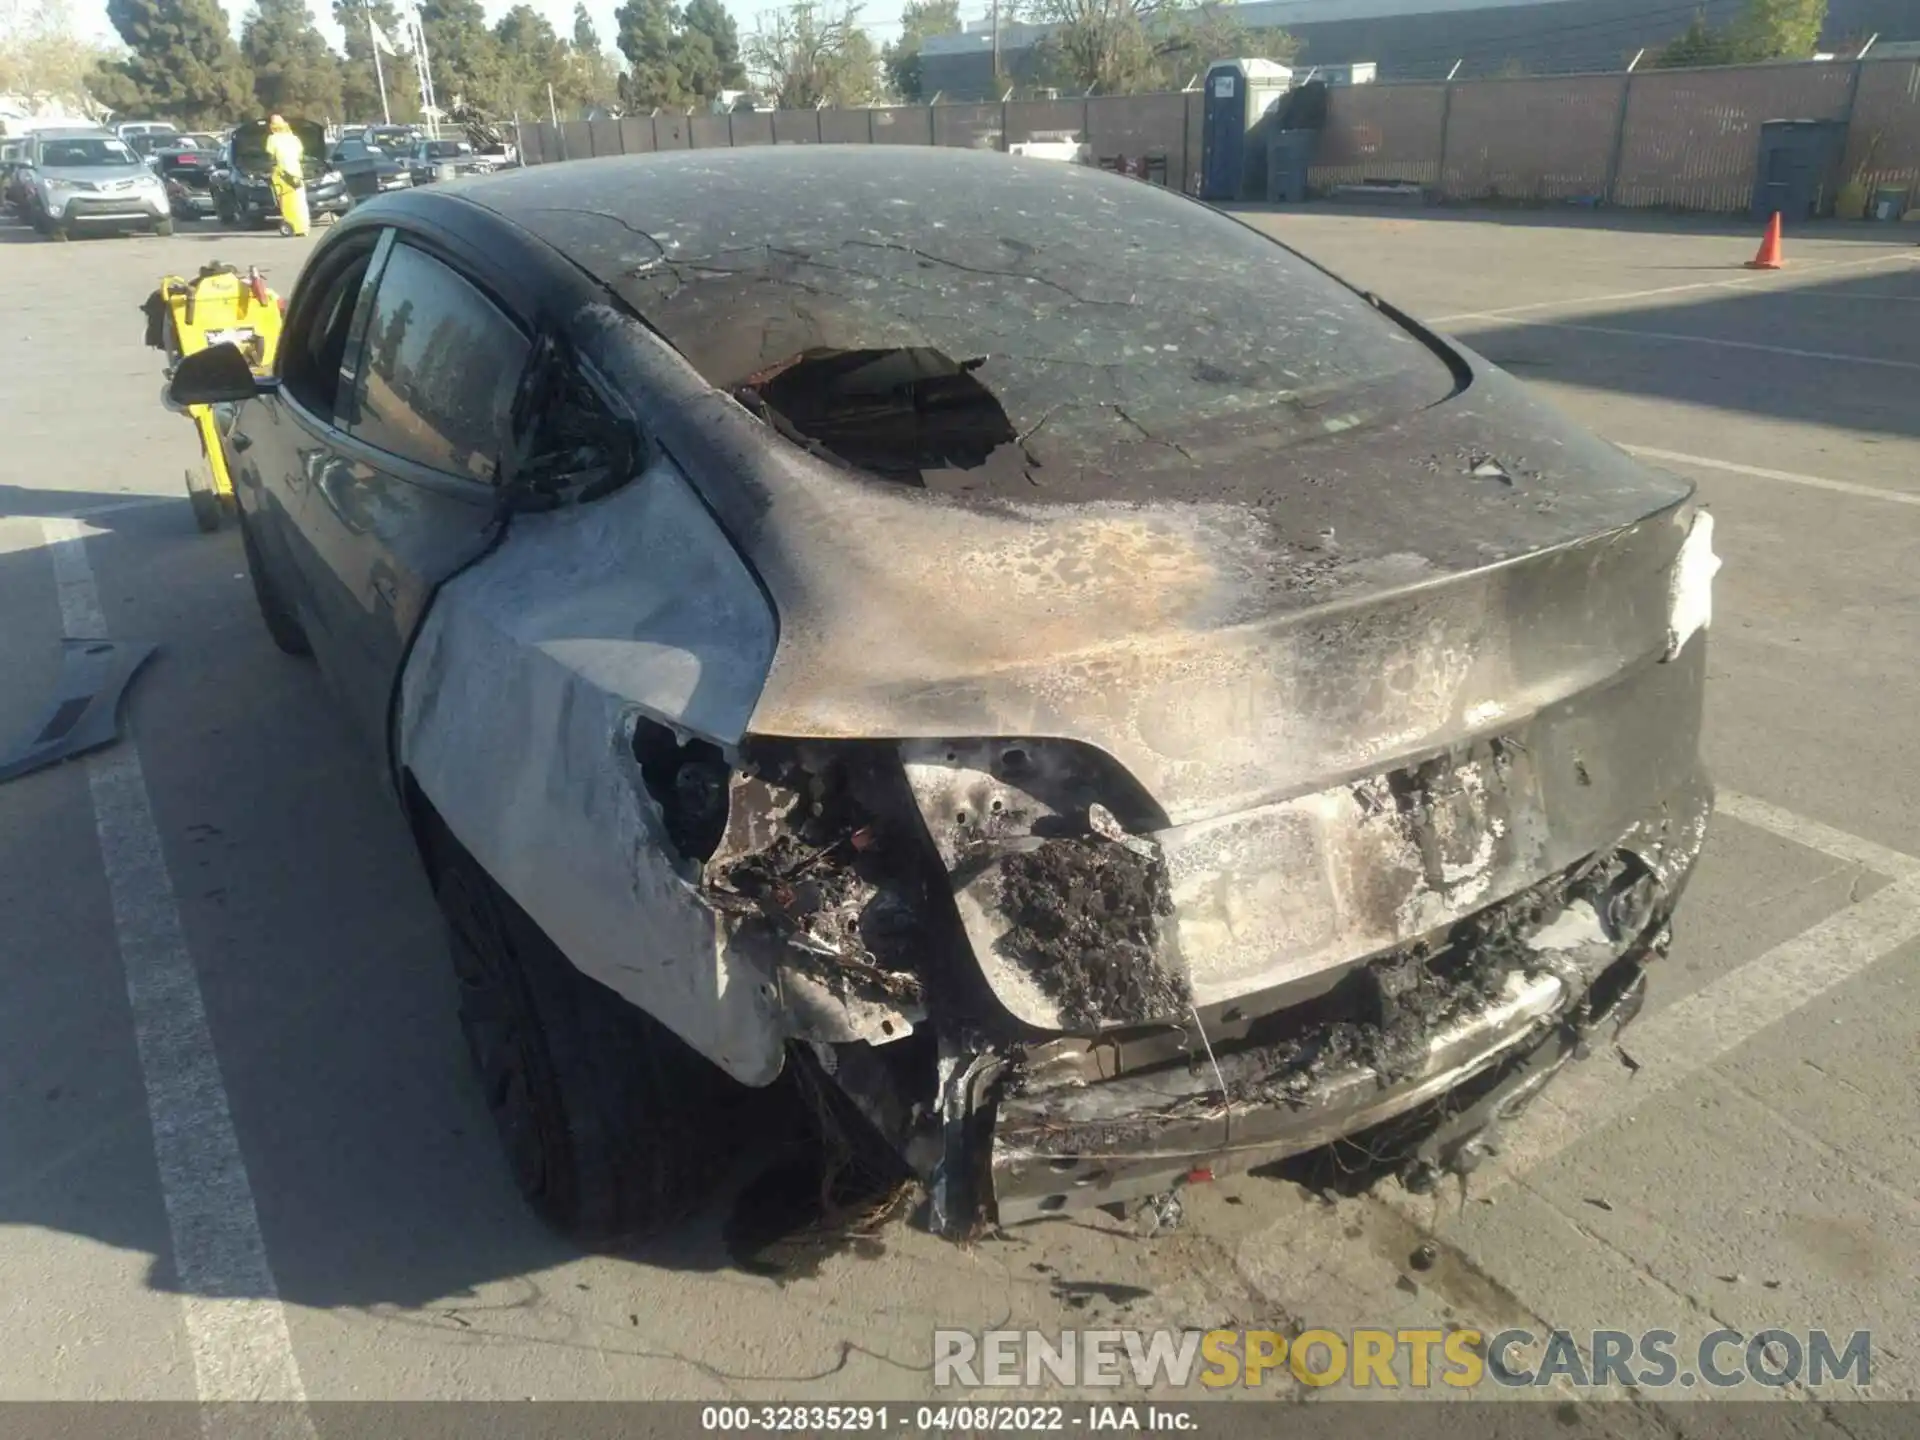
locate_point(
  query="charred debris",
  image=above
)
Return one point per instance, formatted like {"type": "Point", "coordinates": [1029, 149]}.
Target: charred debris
{"type": "Point", "coordinates": [820, 860]}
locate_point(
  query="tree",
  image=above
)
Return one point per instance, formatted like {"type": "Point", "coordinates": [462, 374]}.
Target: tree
{"type": "Point", "coordinates": [646, 38]}
{"type": "Point", "coordinates": [920, 19]}
{"type": "Point", "coordinates": [532, 57]}
{"type": "Point", "coordinates": [594, 83]}
{"type": "Point", "coordinates": [1780, 29]}
{"type": "Point", "coordinates": [710, 49]}
{"type": "Point", "coordinates": [1699, 44]}
{"type": "Point", "coordinates": [294, 72]}
{"type": "Point", "coordinates": [1119, 47]}
{"type": "Point", "coordinates": [182, 64]}
{"type": "Point", "coordinates": [359, 84]}
{"type": "Point", "coordinates": [1766, 30]}
{"type": "Point", "coordinates": [677, 57]}
{"type": "Point", "coordinates": [464, 54]}
{"type": "Point", "coordinates": [807, 55]}
{"type": "Point", "coordinates": [41, 58]}
{"type": "Point", "coordinates": [1190, 39]}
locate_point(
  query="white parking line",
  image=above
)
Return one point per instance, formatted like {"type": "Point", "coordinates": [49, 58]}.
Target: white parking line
{"type": "Point", "coordinates": [1790, 477]}
{"type": "Point", "coordinates": [1691, 1034]}
{"type": "Point", "coordinates": [1734, 283]}
{"type": "Point", "coordinates": [236, 1328]}
{"type": "Point", "coordinates": [1854, 849]}
{"type": "Point", "coordinates": [1698, 1030]}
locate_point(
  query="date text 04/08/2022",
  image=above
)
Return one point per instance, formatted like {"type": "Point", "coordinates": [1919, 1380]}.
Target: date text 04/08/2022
{"type": "Point", "coordinates": [1008, 1419]}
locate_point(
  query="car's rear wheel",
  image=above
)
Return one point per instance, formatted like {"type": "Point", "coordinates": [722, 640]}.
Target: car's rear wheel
{"type": "Point", "coordinates": [605, 1116]}
{"type": "Point", "coordinates": [163, 227]}
{"type": "Point", "coordinates": [283, 625]}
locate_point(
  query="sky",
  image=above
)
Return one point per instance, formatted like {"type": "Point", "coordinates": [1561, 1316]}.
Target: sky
{"type": "Point", "coordinates": [881, 18]}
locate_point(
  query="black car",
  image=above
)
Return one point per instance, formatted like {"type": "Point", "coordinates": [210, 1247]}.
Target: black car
{"type": "Point", "coordinates": [432, 160]}
{"type": "Point", "coordinates": [241, 188]}
{"type": "Point", "coordinates": [874, 613]}
{"type": "Point", "coordinates": [368, 169]}
{"type": "Point", "coordinates": [188, 176]}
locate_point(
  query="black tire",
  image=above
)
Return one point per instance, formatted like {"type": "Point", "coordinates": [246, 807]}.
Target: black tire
{"type": "Point", "coordinates": [163, 227]}
{"type": "Point", "coordinates": [606, 1117]}
{"type": "Point", "coordinates": [282, 623]}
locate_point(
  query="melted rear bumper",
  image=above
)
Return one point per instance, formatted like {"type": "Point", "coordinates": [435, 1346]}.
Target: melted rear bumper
{"type": "Point", "coordinates": [1064, 1139]}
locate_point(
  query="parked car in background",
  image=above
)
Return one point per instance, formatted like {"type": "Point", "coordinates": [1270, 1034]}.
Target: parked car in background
{"type": "Point", "coordinates": [1192, 838]}
{"type": "Point", "coordinates": [367, 169]}
{"type": "Point", "coordinates": [242, 191]}
{"type": "Point", "coordinates": [432, 160]}
{"type": "Point", "coordinates": [188, 175]}
{"type": "Point", "coordinates": [131, 130]}
{"type": "Point", "coordinates": [396, 140]}
{"type": "Point", "coordinates": [13, 164]}
{"type": "Point", "coordinates": [91, 178]}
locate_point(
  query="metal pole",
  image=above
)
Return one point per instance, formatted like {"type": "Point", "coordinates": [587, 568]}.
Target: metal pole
{"type": "Point", "coordinates": [553, 113]}
{"type": "Point", "coordinates": [1456, 68]}
{"type": "Point", "coordinates": [425, 66]}
{"type": "Point", "coordinates": [379, 72]}
{"type": "Point", "coordinates": [1619, 139]}
{"type": "Point", "coordinates": [1634, 63]}
{"type": "Point", "coordinates": [996, 43]}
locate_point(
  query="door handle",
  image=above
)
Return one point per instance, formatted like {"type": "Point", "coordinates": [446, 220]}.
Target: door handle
{"type": "Point", "coordinates": [384, 587]}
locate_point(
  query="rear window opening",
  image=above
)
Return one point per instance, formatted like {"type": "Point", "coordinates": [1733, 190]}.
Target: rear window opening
{"type": "Point", "coordinates": [897, 413]}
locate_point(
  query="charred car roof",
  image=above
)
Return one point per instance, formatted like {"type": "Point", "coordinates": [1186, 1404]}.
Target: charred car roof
{"type": "Point", "coordinates": [975, 324]}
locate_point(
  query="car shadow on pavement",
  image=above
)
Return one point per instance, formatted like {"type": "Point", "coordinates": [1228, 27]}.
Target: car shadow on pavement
{"type": "Point", "coordinates": [371, 1159]}
{"type": "Point", "coordinates": [1836, 352]}
{"type": "Point", "coordinates": [1566, 215]}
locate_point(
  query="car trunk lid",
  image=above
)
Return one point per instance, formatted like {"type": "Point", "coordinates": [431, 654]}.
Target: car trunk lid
{"type": "Point", "coordinates": [1425, 674]}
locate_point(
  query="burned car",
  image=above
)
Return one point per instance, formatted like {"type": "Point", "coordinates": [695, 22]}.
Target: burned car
{"type": "Point", "coordinates": [1100, 699]}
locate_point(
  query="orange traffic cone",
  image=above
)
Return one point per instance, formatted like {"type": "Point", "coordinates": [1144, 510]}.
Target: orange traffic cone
{"type": "Point", "coordinates": [1769, 257]}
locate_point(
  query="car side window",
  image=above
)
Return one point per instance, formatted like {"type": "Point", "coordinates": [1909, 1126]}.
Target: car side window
{"type": "Point", "coordinates": [440, 370]}
{"type": "Point", "coordinates": [315, 343]}
{"type": "Point", "coordinates": [567, 439]}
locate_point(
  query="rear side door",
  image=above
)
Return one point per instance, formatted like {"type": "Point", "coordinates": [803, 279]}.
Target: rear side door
{"type": "Point", "coordinates": [408, 496]}
{"type": "Point", "coordinates": [282, 440]}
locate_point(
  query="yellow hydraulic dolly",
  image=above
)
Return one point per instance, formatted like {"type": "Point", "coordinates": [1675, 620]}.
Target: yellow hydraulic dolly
{"type": "Point", "coordinates": [220, 305]}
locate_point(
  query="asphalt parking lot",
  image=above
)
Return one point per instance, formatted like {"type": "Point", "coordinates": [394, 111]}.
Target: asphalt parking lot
{"type": "Point", "coordinates": [240, 1154]}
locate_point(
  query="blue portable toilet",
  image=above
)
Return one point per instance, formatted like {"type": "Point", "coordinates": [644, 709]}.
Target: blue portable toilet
{"type": "Point", "coordinates": [1237, 95]}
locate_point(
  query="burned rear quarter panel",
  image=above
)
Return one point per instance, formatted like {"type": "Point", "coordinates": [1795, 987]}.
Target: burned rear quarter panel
{"type": "Point", "coordinates": [517, 710]}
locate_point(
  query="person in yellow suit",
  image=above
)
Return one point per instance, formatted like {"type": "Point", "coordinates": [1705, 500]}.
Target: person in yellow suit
{"type": "Point", "coordinates": [289, 178]}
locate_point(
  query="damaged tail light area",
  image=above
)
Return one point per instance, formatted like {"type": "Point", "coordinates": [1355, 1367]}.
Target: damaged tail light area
{"type": "Point", "coordinates": [980, 941]}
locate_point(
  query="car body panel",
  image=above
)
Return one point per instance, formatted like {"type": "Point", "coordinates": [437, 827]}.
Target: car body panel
{"type": "Point", "coordinates": [656, 617]}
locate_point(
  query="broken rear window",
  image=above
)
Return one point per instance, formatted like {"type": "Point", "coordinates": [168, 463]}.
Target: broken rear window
{"type": "Point", "coordinates": [972, 323]}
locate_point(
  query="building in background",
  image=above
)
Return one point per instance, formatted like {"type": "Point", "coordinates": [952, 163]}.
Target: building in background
{"type": "Point", "coordinates": [1422, 39]}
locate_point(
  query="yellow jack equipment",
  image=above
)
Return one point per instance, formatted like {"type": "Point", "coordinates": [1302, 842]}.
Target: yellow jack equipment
{"type": "Point", "coordinates": [220, 305]}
